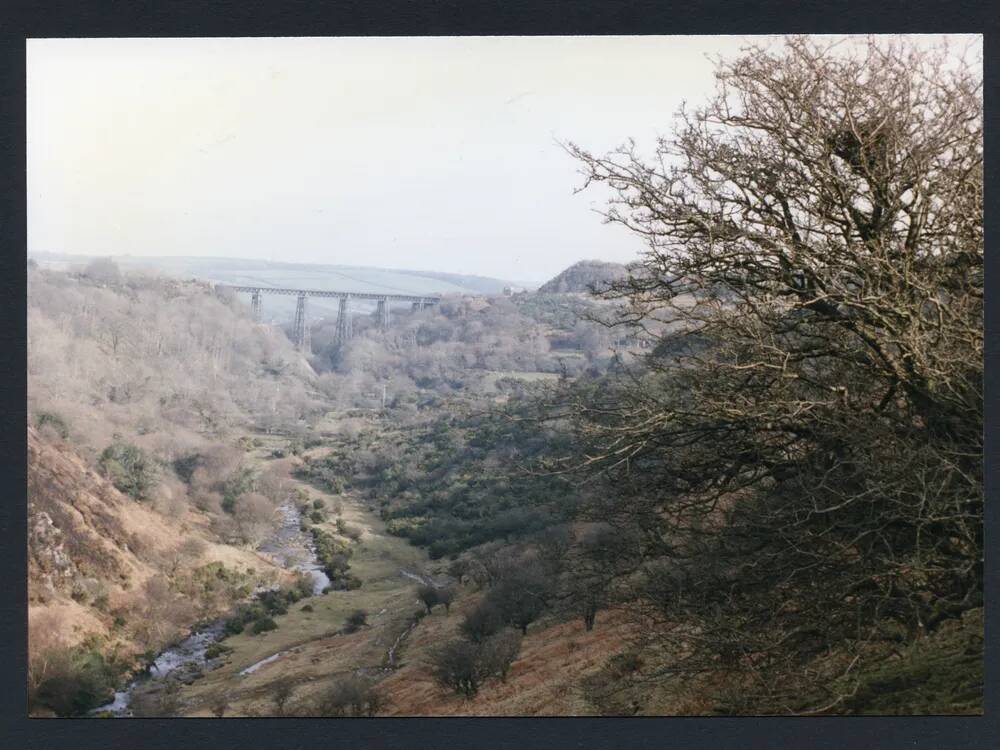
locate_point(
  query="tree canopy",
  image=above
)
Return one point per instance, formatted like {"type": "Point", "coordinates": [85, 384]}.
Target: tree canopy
{"type": "Point", "coordinates": [802, 449]}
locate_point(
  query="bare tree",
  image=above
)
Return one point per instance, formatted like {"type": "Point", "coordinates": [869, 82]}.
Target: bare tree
{"type": "Point", "coordinates": [499, 651]}
{"type": "Point", "coordinates": [802, 448]}
{"type": "Point", "coordinates": [350, 696]}
{"type": "Point", "coordinates": [484, 620]}
{"type": "Point", "coordinates": [457, 665]}
{"type": "Point", "coordinates": [282, 692]}
{"type": "Point", "coordinates": [523, 595]}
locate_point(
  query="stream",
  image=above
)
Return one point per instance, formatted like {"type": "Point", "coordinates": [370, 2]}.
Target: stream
{"type": "Point", "coordinates": [292, 548]}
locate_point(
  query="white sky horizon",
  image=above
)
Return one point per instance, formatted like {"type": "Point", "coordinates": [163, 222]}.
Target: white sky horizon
{"type": "Point", "coordinates": [429, 153]}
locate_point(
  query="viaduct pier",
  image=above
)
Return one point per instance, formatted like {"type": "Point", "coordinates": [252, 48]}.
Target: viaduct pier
{"type": "Point", "coordinates": [344, 327]}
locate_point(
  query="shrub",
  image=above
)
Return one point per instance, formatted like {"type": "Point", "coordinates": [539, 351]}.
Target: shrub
{"type": "Point", "coordinates": [262, 625]}
{"type": "Point", "coordinates": [355, 621]}
{"type": "Point", "coordinates": [485, 620]}
{"type": "Point", "coordinates": [306, 608]}
{"type": "Point", "coordinates": [446, 596]}
{"type": "Point", "coordinates": [240, 482]}
{"type": "Point", "coordinates": [353, 533]}
{"type": "Point", "coordinates": [130, 469]}
{"type": "Point", "coordinates": [625, 663]}
{"type": "Point", "coordinates": [316, 516]}
{"type": "Point", "coordinates": [248, 443]}
{"type": "Point", "coordinates": [499, 651]}
{"type": "Point", "coordinates": [54, 422]}
{"type": "Point", "coordinates": [304, 585]}
{"type": "Point", "coordinates": [429, 596]}
{"type": "Point", "coordinates": [353, 696]}
{"type": "Point", "coordinates": [234, 625]}
{"type": "Point", "coordinates": [216, 650]}
{"type": "Point", "coordinates": [318, 503]}
{"type": "Point", "coordinates": [76, 681]}
{"type": "Point", "coordinates": [457, 665]}
{"type": "Point", "coordinates": [275, 602]}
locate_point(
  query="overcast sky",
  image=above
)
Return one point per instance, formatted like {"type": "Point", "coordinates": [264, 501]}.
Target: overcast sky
{"type": "Point", "coordinates": [425, 153]}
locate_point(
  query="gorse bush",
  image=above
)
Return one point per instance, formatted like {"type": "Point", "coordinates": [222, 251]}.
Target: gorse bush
{"type": "Point", "coordinates": [130, 469]}
{"type": "Point", "coordinates": [262, 625]}
{"type": "Point", "coordinates": [241, 482]}
{"type": "Point", "coordinates": [75, 681]}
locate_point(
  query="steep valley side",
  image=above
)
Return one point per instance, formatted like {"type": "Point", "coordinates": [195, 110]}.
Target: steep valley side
{"type": "Point", "coordinates": [111, 580]}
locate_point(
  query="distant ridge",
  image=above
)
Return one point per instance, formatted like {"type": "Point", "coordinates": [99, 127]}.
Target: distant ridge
{"type": "Point", "coordinates": [284, 273]}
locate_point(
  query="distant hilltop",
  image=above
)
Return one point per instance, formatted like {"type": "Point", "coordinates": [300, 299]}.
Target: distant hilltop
{"type": "Point", "coordinates": [247, 271]}
{"type": "Point", "coordinates": [583, 276]}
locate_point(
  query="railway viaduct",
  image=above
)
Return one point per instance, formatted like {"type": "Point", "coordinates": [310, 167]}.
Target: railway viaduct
{"type": "Point", "coordinates": [344, 327]}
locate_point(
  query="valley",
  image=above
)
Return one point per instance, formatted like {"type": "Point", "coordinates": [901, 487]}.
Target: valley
{"type": "Point", "coordinates": [309, 649]}
{"type": "Point", "coordinates": [262, 459]}
{"type": "Point", "coordinates": [738, 473]}
{"type": "Point", "coordinates": [405, 523]}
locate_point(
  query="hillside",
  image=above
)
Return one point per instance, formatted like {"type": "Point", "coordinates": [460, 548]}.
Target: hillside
{"type": "Point", "coordinates": [167, 362]}
{"type": "Point", "coordinates": [110, 579]}
{"type": "Point", "coordinates": [294, 275]}
{"type": "Point", "coordinates": [143, 508]}
{"type": "Point", "coordinates": [311, 651]}
{"type": "Point", "coordinates": [583, 276]}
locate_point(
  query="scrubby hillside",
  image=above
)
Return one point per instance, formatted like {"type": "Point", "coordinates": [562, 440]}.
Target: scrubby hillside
{"type": "Point", "coordinates": [468, 347]}
{"type": "Point", "coordinates": [152, 381]}
{"type": "Point", "coordinates": [584, 276]}
{"type": "Point", "coordinates": [143, 504]}
{"type": "Point", "coordinates": [167, 361]}
{"type": "Point", "coordinates": [110, 579]}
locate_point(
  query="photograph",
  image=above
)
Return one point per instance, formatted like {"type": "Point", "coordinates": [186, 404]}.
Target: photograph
{"type": "Point", "coordinates": [504, 376]}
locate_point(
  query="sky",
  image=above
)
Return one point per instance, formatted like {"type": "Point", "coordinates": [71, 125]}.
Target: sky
{"type": "Point", "coordinates": [414, 153]}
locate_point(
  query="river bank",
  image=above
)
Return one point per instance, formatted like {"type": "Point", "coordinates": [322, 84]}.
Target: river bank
{"type": "Point", "coordinates": [188, 659]}
{"type": "Point", "coordinates": [310, 646]}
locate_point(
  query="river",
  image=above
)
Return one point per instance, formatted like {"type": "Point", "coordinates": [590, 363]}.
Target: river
{"type": "Point", "coordinates": [291, 548]}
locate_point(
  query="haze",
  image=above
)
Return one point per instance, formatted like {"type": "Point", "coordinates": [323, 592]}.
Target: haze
{"type": "Point", "coordinates": [420, 153]}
